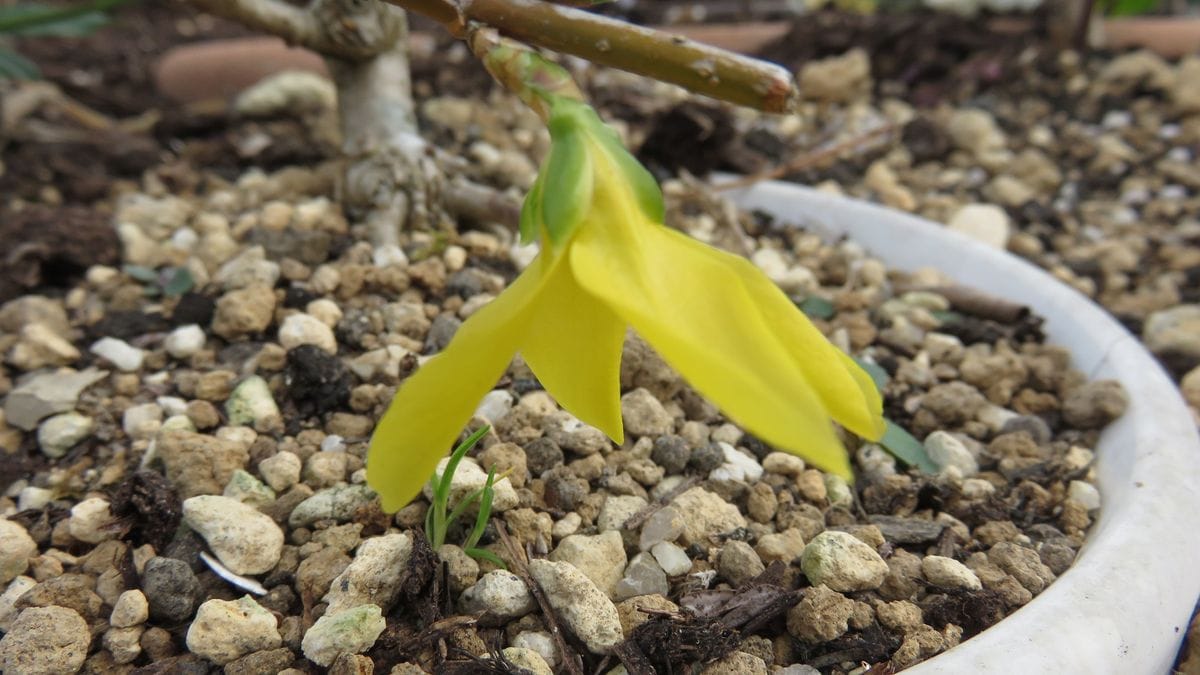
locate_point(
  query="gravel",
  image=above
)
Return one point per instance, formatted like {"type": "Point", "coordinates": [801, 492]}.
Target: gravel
{"type": "Point", "coordinates": [255, 395]}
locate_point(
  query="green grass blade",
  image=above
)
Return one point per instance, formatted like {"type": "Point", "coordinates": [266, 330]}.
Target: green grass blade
{"type": "Point", "coordinates": [483, 554]}
{"type": "Point", "coordinates": [462, 506]}
{"type": "Point", "coordinates": [13, 66]}
{"type": "Point", "coordinates": [485, 511]}
{"type": "Point", "coordinates": [906, 448]}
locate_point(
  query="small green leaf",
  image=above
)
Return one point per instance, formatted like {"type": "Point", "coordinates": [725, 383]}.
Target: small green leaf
{"type": "Point", "coordinates": [141, 273]}
{"type": "Point", "coordinates": [567, 182]}
{"type": "Point", "coordinates": [876, 371]}
{"type": "Point", "coordinates": [1131, 7]}
{"type": "Point", "coordinates": [178, 282]}
{"type": "Point", "coordinates": [945, 316]}
{"type": "Point", "coordinates": [817, 308]}
{"type": "Point", "coordinates": [13, 66]}
{"type": "Point", "coordinates": [39, 19]}
{"type": "Point", "coordinates": [905, 448]}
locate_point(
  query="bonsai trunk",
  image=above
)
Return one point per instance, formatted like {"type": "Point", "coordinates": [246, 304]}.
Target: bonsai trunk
{"type": "Point", "coordinates": [389, 175]}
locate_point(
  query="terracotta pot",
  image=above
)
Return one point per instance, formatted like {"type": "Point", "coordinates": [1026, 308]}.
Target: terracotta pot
{"type": "Point", "coordinates": [1170, 37]}
{"type": "Point", "coordinates": [1123, 607]}
{"type": "Point", "coordinates": [219, 69]}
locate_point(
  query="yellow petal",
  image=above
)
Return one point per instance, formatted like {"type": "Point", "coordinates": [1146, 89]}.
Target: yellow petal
{"type": "Point", "coordinates": [844, 388]}
{"type": "Point", "coordinates": [574, 348]}
{"type": "Point", "coordinates": [434, 404]}
{"type": "Point", "coordinates": [692, 303]}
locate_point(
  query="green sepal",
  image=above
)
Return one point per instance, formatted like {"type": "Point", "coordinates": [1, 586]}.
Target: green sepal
{"type": "Point", "coordinates": [645, 188]}
{"type": "Point", "coordinates": [531, 212]}
{"type": "Point", "coordinates": [567, 179]}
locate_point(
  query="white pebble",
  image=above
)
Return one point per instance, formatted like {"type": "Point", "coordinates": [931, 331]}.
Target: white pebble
{"type": "Point", "coordinates": [389, 254]}
{"type": "Point", "coordinates": [121, 354]}
{"type": "Point", "coordinates": [304, 329]}
{"type": "Point", "coordinates": [673, 560]}
{"type": "Point", "coordinates": [184, 341]}
{"type": "Point", "coordinates": [142, 421]}
{"type": "Point", "coordinates": [89, 521]}
{"type": "Point", "coordinates": [1084, 493]}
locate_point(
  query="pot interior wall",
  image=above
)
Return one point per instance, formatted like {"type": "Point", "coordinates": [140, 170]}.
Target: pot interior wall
{"type": "Point", "coordinates": [1124, 606]}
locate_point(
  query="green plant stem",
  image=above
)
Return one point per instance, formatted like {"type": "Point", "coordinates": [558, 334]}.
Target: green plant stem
{"type": "Point", "coordinates": [663, 56]}
{"type": "Point", "coordinates": [47, 15]}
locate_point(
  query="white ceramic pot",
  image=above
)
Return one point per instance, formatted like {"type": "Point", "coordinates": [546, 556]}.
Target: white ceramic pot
{"type": "Point", "coordinates": [1123, 607]}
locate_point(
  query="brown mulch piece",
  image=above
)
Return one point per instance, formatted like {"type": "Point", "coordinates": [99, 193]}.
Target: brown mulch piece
{"type": "Point", "coordinates": [974, 611]}
{"type": "Point", "coordinates": [871, 645]}
{"type": "Point", "coordinates": [148, 508]}
{"type": "Point", "coordinates": [422, 586]}
{"type": "Point", "coordinates": [937, 55]}
{"type": "Point", "coordinates": [711, 626]}
{"type": "Point", "coordinates": [52, 246]}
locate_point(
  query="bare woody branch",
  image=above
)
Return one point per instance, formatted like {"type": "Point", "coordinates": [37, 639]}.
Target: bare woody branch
{"type": "Point", "coordinates": [663, 56]}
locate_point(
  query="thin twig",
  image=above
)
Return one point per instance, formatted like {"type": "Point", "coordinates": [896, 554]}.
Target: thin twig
{"type": "Point", "coordinates": [520, 567]}
{"type": "Point", "coordinates": [809, 160]}
{"type": "Point", "coordinates": [976, 302]}
{"type": "Point", "coordinates": [635, 521]}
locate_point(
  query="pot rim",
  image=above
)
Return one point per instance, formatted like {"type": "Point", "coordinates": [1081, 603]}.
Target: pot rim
{"type": "Point", "coordinates": [1124, 605]}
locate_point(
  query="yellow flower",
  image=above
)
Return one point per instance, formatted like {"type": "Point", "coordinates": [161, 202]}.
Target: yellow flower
{"type": "Point", "coordinates": [608, 262]}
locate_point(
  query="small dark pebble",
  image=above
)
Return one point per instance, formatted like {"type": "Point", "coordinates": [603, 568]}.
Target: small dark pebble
{"type": "Point", "coordinates": [541, 455]}
{"type": "Point", "coordinates": [193, 308]}
{"type": "Point", "coordinates": [1044, 532]}
{"type": "Point", "coordinates": [1058, 557]}
{"type": "Point", "coordinates": [564, 490]}
{"type": "Point", "coordinates": [756, 447]}
{"type": "Point", "coordinates": [671, 452]}
{"type": "Point", "coordinates": [707, 457]}
{"type": "Point", "coordinates": [926, 139]}
{"type": "Point", "coordinates": [296, 297]}
{"type": "Point", "coordinates": [171, 589]}
{"type": "Point", "coordinates": [311, 247]}
{"type": "Point", "coordinates": [126, 324]}
{"type": "Point", "coordinates": [1036, 427]}
{"type": "Point", "coordinates": [355, 324]}
{"type": "Point", "coordinates": [317, 381]}
{"type": "Point", "coordinates": [524, 385]}
{"type": "Point", "coordinates": [465, 283]}
{"type": "Point", "coordinates": [185, 664]}
{"type": "Point", "coordinates": [441, 332]}
{"type": "Point", "coordinates": [266, 661]}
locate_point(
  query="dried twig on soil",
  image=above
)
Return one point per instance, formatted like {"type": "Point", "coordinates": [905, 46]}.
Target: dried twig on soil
{"type": "Point", "coordinates": [570, 659]}
{"type": "Point", "coordinates": [635, 521]}
{"type": "Point", "coordinates": [814, 159]}
{"type": "Point", "coordinates": [976, 302]}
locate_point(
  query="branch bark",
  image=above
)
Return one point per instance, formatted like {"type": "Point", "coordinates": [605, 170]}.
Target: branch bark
{"type": "Point", "coordinates": [697, 67]}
